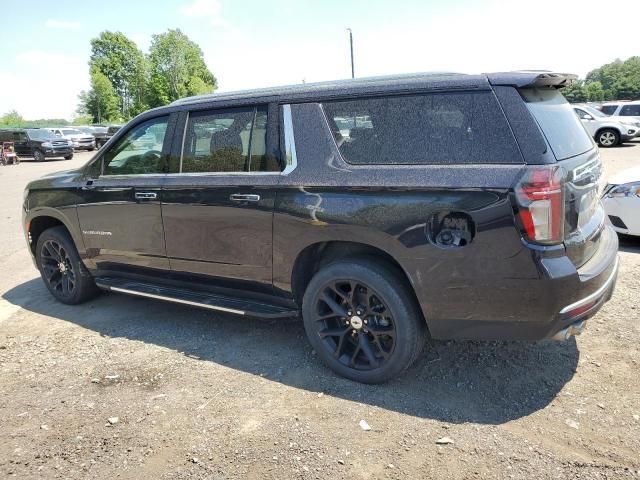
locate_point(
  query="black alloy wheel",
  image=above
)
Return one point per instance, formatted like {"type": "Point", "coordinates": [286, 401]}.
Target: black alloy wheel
{"type": "Point", "coordinates": [62, 271]}
{"type": "Point", "coordinates": [362, 319]}
{"type": "Point", "coordinates": [354, 324]}
{"type": "Point", "coordinates": [57, 268]}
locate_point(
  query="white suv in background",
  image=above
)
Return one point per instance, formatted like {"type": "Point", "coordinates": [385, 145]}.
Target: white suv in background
{"type": "Point", "coordinates": [607, 131]}
{"type": "Point", "coordinates": [81, 140]}
{"type": "Point", "coordinates": [622, 109]}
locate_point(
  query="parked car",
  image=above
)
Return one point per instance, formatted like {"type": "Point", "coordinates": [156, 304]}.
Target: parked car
{"type": "Point", "coordinates": [80, 140]}
{"type": "Point", "coordinates": [99, 132]}
{"type": "Point", "coordinates": [608, 131]}
{"type": "Point", "coordinates": [461, 206]}
{"type": "Point", "coordinates": [38, 143]}
{"type": "Point", "coordinates": [622, 201]}
{"type": "Point", "coordinates": [622, 109]}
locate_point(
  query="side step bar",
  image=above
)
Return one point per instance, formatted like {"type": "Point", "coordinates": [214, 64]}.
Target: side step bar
{"type": "Point", "coordinates": [211, 301]}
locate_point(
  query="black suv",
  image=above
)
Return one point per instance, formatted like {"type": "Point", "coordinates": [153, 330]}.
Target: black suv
{"type": "Point", "coordinates": [382, 210]}
{"type": "Point", "coordinates": [38, 143]}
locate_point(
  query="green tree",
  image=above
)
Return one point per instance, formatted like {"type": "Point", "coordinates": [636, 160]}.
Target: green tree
{"type": "Point", "coordinates": [101, 101]}
{"type": "Point", "coordinates": [574, 93]}
{"type": "Point", "coordinates": [619, 80]}
{"type": "Point", "coordinates": [12, 119]}
{"type": "Point", "coordinates": [120, 60]}
{"type": "Point", "coordinates": [177, 69]}
{"type": "Point", "coordinates": [594, 92]}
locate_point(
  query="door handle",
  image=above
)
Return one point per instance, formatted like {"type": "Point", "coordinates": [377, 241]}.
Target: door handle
{"type": "Point", "coordinates": [146, 195]}
{"type": "Point", "coordinates": [244, 197]}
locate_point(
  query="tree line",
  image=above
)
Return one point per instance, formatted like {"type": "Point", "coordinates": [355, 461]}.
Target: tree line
{"type": "Point", "coordinates": [125, 82]}
{"type": "Point", "coordinates": [614, 81]}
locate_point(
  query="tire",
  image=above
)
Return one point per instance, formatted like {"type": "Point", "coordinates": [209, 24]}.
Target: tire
{"type": "Point", "coordinates": [608, 138]}
{"type": "Point", "coordinates": [62, 271]}
{"type": "Point", "coordinates": [68, 157]}
{"type": "Point", "coordinates": [379, 343]}
{"type": "Point", "coordinates": [38, 156]}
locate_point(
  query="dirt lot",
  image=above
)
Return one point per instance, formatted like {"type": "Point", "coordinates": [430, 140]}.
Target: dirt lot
{"type": "Point", "coordinates": [133, 388]}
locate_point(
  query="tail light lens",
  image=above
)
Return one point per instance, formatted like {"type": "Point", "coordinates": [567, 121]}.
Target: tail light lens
{"type": "Point", "coordinates": [540, 197]}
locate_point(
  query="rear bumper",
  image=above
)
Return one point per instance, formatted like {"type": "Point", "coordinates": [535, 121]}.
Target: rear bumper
{"type": "Point", "coordinates": [531, 296]}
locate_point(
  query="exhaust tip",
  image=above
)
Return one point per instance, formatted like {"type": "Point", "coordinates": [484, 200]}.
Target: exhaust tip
{"type": "Point", "coordinates": [570, 331]}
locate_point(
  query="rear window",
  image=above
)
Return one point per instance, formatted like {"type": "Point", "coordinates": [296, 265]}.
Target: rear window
{"type": "Point", "coordinates": [442, 128]}
{"type": "Point", "coordinates": [609, 109]}
{"type": "Point", "coordinates": [558, 122]}
{"type": "Point", "coordinates": [630, 111]}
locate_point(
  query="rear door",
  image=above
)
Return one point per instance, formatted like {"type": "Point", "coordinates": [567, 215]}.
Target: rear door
{"type": "Point", "coordinates": [119, 207]}
{"type": "Point", "coordinates": [218, 211]}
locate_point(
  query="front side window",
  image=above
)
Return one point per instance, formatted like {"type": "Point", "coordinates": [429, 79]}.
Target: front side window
{"type": "Point", "coordinates": [630, 111]}
{"type": "Point", "coordinates": [442, 128]}
{"type": "Point", "coordinates": [139, 151]}
{"type": "Point", "coordinates": [231, 140]}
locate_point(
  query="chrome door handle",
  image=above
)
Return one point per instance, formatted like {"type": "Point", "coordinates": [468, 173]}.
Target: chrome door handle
{"type": "Point", "coordinates": [146, 195]}
{"type": "Point", "coordinates": [244, 197]}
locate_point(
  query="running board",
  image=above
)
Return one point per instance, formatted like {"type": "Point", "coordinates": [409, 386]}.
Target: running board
{"type": "Point", "coordinates": [211, 301]}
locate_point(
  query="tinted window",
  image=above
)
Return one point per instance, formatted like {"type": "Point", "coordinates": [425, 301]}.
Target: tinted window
{"type": "Point", "coordinates": [609, 109]}
{"type": "Point", "coordinates": [422, 129]}
{"type": "Point", "coordinates": [231, 140]}
{"type": "Point", "coordinates": [139, 151]}
{"type": "Point", "coordinates": [630, 111]}
{"type": "Point", "coordinates": [559, 123]}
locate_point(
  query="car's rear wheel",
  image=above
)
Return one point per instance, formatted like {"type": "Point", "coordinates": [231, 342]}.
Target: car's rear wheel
{"type": "Point", "coordinates": [62, 271]}
{"type": "Point", "coordinates": [608, 138]}
{"type": "Point", "coordinates": [362, 320]}
{"type": "Point", "coordinates": [38, 156]}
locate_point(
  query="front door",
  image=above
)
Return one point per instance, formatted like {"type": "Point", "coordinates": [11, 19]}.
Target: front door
{"type": "Point", "coordinates": [119, 209]}
{"type": "Point", "coordinates": [21, 144]}
{"type": "Point", "coordinates": [218, 211]}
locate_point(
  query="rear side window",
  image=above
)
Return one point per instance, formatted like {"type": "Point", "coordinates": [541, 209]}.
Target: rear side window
{"type": "Point", "coordinates": [630, 111]}
{"type": "Point", "coordinates": [609, 109]}
{"type": "Point", "coordinates": [232, 140]}
{"type": "Point", "coordinates": [558, 122]}
{"type": "Point", "coordinates": [443, 128]}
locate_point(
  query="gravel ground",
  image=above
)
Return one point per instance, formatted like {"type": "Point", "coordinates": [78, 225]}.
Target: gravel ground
{"type": "Point", "coordinates": [132, 388]}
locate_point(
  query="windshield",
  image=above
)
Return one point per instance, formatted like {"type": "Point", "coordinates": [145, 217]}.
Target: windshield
{"type": "Point", "coordinates": [558, 122]}
{"type": "Point", "coordinates": [71, 131]}
{"type": "Point", "coordinates": [40, 134]}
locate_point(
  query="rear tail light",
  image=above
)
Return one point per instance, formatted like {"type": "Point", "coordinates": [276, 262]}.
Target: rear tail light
{"type": "Point", "coordinates": [540, 198]}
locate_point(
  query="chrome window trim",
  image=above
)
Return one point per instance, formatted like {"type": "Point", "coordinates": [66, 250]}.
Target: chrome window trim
{"type": "Point", "coordinates": [291, 157]}
{"type": "Point", "coordinates": [184, 137]}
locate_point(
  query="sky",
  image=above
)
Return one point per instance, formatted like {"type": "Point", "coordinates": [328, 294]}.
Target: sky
{"type": "Point", "coordinates": [44, 45]}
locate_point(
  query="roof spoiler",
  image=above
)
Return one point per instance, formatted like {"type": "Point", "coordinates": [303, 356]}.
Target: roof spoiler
{"type": "Point", "coordinates": [532, 79]}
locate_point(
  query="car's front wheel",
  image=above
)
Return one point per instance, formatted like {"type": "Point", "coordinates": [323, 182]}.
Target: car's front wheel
{"type": "Point", "coordinates": [608, 138]}
{"type": "Point", "coordinates": [38, 156]}
{"type": "Point", "coordinates": [62, 271]}
{"type": "Point", "coordinates": [68, 157]}
{"type": "Point", "coordinates": [362, 320]}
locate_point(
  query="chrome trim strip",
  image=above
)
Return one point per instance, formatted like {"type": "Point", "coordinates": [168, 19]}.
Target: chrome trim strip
{"type": "Point", "coordinates": [595, 294]}
{"type": "Point", "coordinates": [289, 141]}
{"type": "Point", "coordinates": [184, 136]}
{"type": "Point", "coordinates": [174, 300]}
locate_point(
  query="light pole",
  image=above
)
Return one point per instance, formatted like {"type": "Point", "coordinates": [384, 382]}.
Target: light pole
{"type": "Point", "coordinates": [353, 75]}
